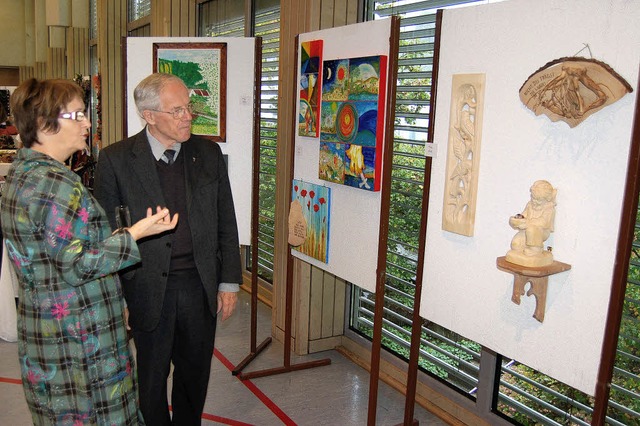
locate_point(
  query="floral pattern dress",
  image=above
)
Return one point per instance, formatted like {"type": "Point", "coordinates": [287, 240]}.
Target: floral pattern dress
{"type": "Point", "coordinates": [76, 365]}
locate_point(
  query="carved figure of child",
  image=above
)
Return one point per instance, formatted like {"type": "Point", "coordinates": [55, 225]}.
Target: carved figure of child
{"type": "Point", "coordinates": [534, 225]}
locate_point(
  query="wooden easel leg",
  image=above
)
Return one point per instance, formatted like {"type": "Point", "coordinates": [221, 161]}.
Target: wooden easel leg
{"type": "Point", "coordinates": [254, 353]}
{"type": "Point", "coordinates": [255, 201]}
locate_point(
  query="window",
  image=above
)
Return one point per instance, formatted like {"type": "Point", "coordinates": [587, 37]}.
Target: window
{"type": "Point", "coordinates": [624, 398]}
{"type": "Point", "coordinates": [138, 9]}
{"type": "Point", "coordinates": [222, 19]}
{"type": "Point", "coordinates": [93, 20]}
{"type": "Point", "coordinates": [138, 18]}
{"type": "Point", "coordinates": [533, 398]}
{"type": "Point", "coordinates": [267, 26]}
{"type": "Point", "coordinates": [226, 18]}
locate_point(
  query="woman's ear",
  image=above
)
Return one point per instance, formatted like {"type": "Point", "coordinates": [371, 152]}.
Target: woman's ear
{"type": "Point", "coordinates": [41, 123]}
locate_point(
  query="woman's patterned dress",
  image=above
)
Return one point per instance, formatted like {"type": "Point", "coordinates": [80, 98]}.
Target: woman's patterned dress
{"type": "Point", "coordinates": [76, 365]}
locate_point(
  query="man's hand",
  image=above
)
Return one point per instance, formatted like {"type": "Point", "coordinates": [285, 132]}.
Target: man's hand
{"type": "Point", "coordinates": [227, 303]}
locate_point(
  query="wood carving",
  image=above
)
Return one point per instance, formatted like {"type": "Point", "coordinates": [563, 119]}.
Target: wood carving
{"type": "Point", "coordinates": [571, 89]}
{"type": "Point", "coordinates": [463, 153]}
{"type": "Point", "coordinates": [297, 224]}
{"type": "Point", "coordinates": [534, 226]}
{"type": "Point", "coordinates": [537, 276]}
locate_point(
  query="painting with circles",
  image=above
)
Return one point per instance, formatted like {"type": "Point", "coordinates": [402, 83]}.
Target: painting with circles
{"type": "Point", "coordinates": [352, 121]}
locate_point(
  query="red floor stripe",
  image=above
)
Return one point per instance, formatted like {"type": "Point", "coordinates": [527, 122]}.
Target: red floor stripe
{"type": "Point", "coordinates": [205, 416]}
{"type": "Point", "coordinates": [12, 381]}
{"type": "Point", "coordinates": [219, 419]}
{"type": "Point", "coordinates": [257, 392]}
{"type": "Point", "coordinates": [224, 420]}
{"type": "Point", "coordinates": [248, 384]}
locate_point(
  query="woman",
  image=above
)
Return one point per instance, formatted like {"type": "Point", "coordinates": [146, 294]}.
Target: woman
{"type": "Point", "coordinates": [72, 339]}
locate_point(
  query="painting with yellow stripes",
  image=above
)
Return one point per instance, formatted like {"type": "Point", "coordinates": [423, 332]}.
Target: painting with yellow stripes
{"type": "Point", "coordinates": [315, 202]}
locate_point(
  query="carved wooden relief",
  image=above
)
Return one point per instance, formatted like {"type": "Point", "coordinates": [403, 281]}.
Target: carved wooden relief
{"type": "Point", "coordinates": [463, 153]}
{"type": "Point", "coordinates": [297, 224]}
{"type": "Point", "coordinates": [571, 89]}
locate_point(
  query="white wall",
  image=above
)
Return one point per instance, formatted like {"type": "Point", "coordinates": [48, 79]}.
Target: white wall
{"type": "Point", "coordinates": [239, 131]}
{"type": "Point", "coordinates": [463, 290]}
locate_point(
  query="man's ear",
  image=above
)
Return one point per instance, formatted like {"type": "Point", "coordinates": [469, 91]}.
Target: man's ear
{"type": "Point", "coordinates": [148, 117]}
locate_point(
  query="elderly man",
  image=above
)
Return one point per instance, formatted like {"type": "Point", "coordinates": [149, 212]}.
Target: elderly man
{"type": "Point", "coordinates": [187, 276]}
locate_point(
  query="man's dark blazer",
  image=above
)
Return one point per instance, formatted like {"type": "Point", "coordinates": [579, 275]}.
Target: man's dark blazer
{"type": "Point", "coordinates": [126, 174]}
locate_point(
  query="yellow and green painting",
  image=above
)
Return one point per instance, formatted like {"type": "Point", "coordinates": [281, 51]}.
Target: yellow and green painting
{"type": "Point", "coordinates": [202, 67]}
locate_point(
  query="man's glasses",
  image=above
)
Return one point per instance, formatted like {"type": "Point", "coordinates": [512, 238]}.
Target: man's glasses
{"type": "Point", "coordinates": [178, 113]}
{"type": "Point", "coordinates": [74, 115]}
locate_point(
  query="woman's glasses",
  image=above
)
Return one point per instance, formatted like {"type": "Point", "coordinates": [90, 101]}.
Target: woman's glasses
{"type": "Point", "coordinates": [74, 115]}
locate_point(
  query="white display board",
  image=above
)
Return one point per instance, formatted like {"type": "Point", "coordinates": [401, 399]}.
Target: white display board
{"type": "Point", "coordinates": [462, 288]}
{"type": "Point", "coordinates": [355, 213]}
{"type": "Point", "coordinates": [239, 130]}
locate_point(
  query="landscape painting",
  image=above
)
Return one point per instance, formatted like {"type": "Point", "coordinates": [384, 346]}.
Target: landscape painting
{"type": "Point", "coordinates": [352, 121]}
{"type": "Point", "coordinates": [335, 80]}
{"type": "Point", "coordinates": [203, 68]}
{"type": "Point", "coordinates": [332, 162]}
{"type": "Point", "coordinates": [315, 201]}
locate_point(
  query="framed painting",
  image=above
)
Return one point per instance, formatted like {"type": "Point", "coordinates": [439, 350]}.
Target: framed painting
{"type": "Point", "coordinates": [203, 68]}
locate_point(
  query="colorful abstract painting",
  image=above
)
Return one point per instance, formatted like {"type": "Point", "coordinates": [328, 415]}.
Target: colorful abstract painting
{"type": "Point", "coordinates": [310, 83]}
{"type": "Point", "coordinates": [315, 201]}
{"type": "Point", "coordinates": [352, 121]}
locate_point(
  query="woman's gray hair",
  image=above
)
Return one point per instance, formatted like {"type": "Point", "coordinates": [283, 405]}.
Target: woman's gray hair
{"type": "Point", "coordinates": [147, 93]}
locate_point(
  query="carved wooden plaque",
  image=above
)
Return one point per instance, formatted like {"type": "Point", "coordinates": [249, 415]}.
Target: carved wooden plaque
{"type": "Point", "coordinates": [463, 153]}
{"type": "Point", "coordinates": [571, 89]}
{"type": "Point", "coordinates": [297, 224]}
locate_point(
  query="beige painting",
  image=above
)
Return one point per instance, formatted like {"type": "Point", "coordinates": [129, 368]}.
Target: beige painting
{"type": "Point", "coordinates": [463, 153]}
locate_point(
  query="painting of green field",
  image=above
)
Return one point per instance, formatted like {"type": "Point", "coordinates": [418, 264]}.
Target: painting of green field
{"type": "Point", "coordinates": [202, 67]}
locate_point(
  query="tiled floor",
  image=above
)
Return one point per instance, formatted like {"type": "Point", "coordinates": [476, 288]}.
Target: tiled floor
{"type": "Point", "coordinates": [335, 394]}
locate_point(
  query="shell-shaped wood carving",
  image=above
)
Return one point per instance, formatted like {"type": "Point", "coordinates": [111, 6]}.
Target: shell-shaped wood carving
{"type": "Point", "coordinates": [571, 89]}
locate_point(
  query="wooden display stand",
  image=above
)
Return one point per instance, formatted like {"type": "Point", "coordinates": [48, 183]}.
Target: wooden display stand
{"type": "Point", "coordinates": [255, 350]}
{"type": "Point", "coordinates": [385, 202]}
{"type": "Point", "coordinates": [537, 276]}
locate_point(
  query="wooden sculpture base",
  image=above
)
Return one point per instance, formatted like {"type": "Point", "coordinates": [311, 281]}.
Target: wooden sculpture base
{"type": "Point", "coordinates": [537, 276]}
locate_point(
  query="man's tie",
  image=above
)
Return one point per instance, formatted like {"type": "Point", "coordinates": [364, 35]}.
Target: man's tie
{"type": "Point", "coordinates": [168, 156]}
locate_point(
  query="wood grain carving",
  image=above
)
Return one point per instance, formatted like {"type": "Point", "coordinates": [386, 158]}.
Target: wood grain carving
{"type": "Point", "coordinates": [463, 153]}
{"type": "Point", "coordinates": [571, 89]}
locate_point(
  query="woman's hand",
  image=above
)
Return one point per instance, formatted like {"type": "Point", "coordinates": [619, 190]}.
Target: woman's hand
{"type": "Point", "coordinates": [153, 224]}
